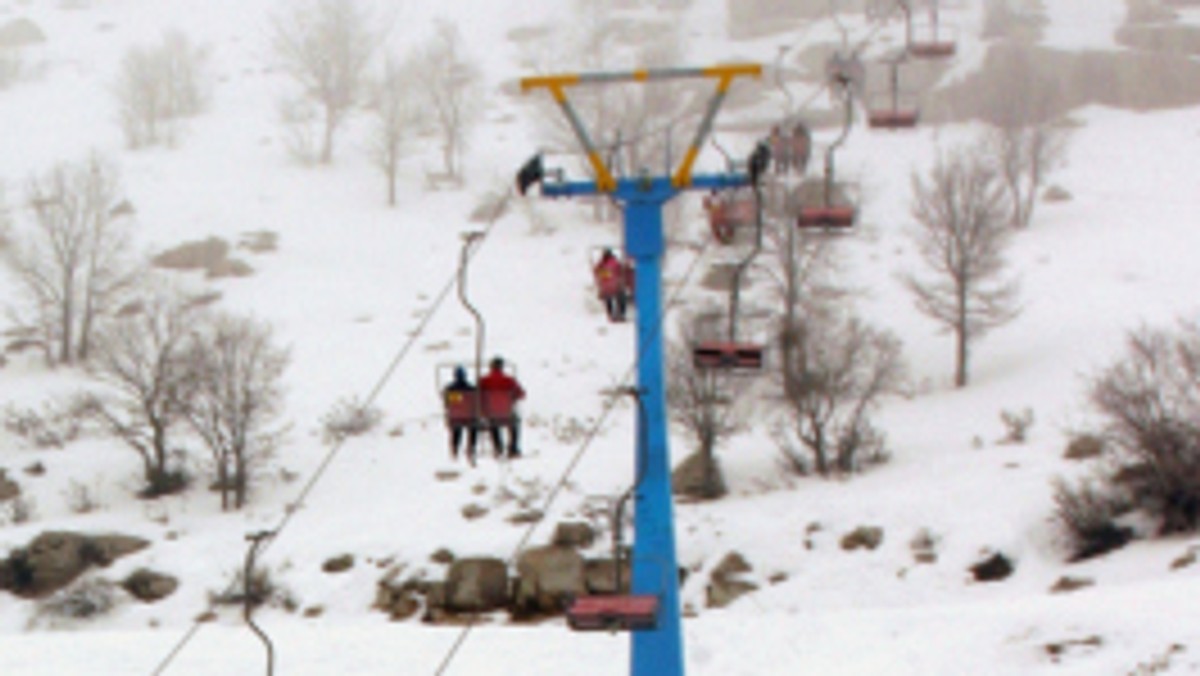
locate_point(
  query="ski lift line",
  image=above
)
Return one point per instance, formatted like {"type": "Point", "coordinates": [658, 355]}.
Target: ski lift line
{"type": "Point", "coordinates": [585, 445]}
{"type": "Point", "coordinates": [319, 473]}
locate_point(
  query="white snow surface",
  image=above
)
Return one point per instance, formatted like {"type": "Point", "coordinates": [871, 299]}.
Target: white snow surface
{"type": "Point", "coordinates": [352, 279]}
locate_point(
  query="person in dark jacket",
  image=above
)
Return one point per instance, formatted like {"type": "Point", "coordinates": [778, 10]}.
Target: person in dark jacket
{"type": "Point", "coordinates": [460, 417]}
{"type": "Point", "coordinates": [498, 384]}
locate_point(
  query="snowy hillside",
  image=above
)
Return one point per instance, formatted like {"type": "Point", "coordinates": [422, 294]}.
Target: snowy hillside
{"type": "Point", "coordinates": [361, 294]}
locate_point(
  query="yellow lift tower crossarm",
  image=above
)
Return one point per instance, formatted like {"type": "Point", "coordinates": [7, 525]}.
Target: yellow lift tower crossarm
{"type": "Point", "coordinates": [605, 181]}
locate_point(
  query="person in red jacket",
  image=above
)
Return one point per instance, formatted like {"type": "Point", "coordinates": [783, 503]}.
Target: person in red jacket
{"type": "Point", "coordinates": [497, 381]}
{"type": "Point", "coordinates": [611, 280]}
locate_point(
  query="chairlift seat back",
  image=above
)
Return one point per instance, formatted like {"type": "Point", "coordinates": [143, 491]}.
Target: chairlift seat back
{"type": "Point", "coordinates": [499, 406]}
{"type": "Point", "coordinates": [937, 49]}
{"type": "Point", "coordinates": [892, 119]}
{"type": "Point", "coordinates": [610, 282]}
{"type": "Point", "coordinates": [462, 407]}
{"type": "Point", "coordinates": [835, 217]}
{"type": "Point", "coordinates": [726, 355]}
{"type": "Point", "coordinates": [613, 612]}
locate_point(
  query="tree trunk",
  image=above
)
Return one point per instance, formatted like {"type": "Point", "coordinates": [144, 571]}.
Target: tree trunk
{"type": "Point", "coordinates": [391, 180]}
{"type": "Point", "coordinates": [223, 481]}
{"type": "Point", "coordinates": [240, 480]}
{"type": "Point", "coordinates": [67, 318]}
{"type": "Point", "coordinates": [327, 143]}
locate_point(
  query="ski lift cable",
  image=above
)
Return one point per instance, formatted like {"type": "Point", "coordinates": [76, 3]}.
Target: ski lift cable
{"type": "Point", "coordinates": [325, 463]}
{"type": "Point", "coordinates": [584, 446]}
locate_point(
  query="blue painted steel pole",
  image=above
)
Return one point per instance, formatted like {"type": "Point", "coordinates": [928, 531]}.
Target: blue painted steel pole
{"type": "Point", "coordinates": [657, 652]}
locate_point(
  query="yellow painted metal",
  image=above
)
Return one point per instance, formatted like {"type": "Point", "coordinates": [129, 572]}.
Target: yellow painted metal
{"type": "Point", "coordinates": [683, 175]}
{"type": "Point", "coordinates": [550, 81]}
{"type": "Point", "coordinates": [605, 181]}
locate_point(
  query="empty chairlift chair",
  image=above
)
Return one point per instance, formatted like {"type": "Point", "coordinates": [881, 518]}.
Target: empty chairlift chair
{"type": "Point", "coordinates": [930, 39]}
{"type": "Point", "coordinates": [893, 109]}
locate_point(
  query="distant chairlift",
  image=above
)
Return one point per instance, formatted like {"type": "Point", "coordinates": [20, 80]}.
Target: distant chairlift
{"type": "Point", "coordinates": [617, 610]}
{"type": "Point", "coordinates": [829, 216]}
{"type": "Point", "coordinates": [897, 110]}
{"type": "Point", "coordinates": [929, 39]}
{"type": "Point", "coordinates": [474, 408]}
{"type": "Point", "coordinates": [730, 353]}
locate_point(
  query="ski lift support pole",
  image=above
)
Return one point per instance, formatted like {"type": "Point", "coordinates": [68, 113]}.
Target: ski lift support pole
{"type": "Point", "coordinates": [657, 651]}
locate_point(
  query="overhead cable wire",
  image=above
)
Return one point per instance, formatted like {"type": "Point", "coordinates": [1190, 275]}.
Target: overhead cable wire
{"type": "Point", "coordinates": [294, 507]}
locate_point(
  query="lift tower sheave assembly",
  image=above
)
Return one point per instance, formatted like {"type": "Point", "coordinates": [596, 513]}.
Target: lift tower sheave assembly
{"type": "Point", "coordinates": [657, 649]}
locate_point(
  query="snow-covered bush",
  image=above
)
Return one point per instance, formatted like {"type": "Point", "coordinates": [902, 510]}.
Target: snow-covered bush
{"type": "Point", "coordinates": [1149, 401]}
{"type": "Point", "coordinates": [348, 418]}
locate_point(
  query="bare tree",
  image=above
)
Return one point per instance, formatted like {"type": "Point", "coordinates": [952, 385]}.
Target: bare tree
{"type": "Point", "coordinates": [238, 398]}
{"type": "Point", "coordinates": [73, 264]}
{"type": "Point", "coordinates": [1149, 401]}
{"type": "Point", "coordinates": [701, 401]}
{"type": "Point", "coordinates": [396, 113]}
{"type": "Point", "coordinates": [451, 85]}
{"type": "Point", "coordinates": [1025, 156]}
{"type": "Point", "coordinates": [838, 370]}
{"type": "Point", "coordinates": [143, 357]}
{"type": "Point", "coordinates": [326, 46]}
{"type": "Point", "coordinates": [961, 235]}
{"type": "Point", "coordinates": [157, 87]}
{"type": "Point", "coordinates": [1023, 142]}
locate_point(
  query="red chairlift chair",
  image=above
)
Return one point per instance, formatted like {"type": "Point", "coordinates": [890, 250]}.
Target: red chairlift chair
{"type": "Point", "coordinates": [935, 41]}
{"type": "Point", "coordinates": [614, 612]}
{"type": "Point", "coordinates": [727, 355]}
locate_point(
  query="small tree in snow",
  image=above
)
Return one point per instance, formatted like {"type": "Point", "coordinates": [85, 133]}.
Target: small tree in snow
{"type": "Point", "coordinates": [143, 356]}
{"type": "Point", "coordinates": [961, 235]}
{"type": "Point", "coordinates": [326, 46]}
{"type": "Point", "coordinates": [1023, 142]}
{"type": "Point", "coordinates": [237, 400]}
{"type": "Point", "coordinates": [701, 402]}
{"type": "Point", "coordinates": [450, 84]}
{"type": "Point", "coordinates": [158, 86]}
{"type": "Point", "coordinates": [838, 370]}
{"type": "Point", "coordinates": [72, 263]}
{"type": "Point", "coordinates": [396, 112]}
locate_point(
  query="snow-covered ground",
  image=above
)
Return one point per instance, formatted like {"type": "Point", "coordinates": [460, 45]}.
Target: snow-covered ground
{"type": "Point", "coordinates": [352, 278]}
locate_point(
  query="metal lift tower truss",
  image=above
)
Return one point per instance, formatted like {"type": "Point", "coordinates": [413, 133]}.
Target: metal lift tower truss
{"type": "Point", "coordinates": [656, 651]}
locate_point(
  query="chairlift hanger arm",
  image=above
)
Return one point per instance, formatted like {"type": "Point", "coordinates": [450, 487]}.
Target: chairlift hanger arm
{"type": "Point", "coordinates": [605, 181]}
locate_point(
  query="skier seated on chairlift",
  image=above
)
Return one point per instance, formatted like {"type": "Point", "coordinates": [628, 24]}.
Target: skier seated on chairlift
{"type": "Point", "coordinates": [457, 393]}
{"type": "Point", "coordinates": [496, 381]}
{"type": "Point", "coordinates": [610, 276]}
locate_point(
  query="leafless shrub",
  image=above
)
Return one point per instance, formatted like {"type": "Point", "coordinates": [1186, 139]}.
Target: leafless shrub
{"type": "Point", "coordinates": [1016, 425]}
{"type": "Point", "coordinates": [81, 498]}
{"type": "Point", "coordinates": [158, 87]}
{"type": "Point", "coordinates": [263, 590]}
{"type": "Point", "coordinates": [325, 46]}
{"type": "Point", "coordinates": [87, 599]}
{"type": "Point", "coordinates": [450, 84]}
{"type": "Point", "coordinates": [962, 236]}
{"type": "Point", "coordinates": [839, 370]}
{"type": "Point", "coordinates": [1087, 512]}
{"type": "Point", "coordinates": [1150, 403]}
{"type": "Point", "coordinates": [349, 418]}
{"type": "Point", "coordinates": [21, 509]}
{"type": "Point", "coordinates": [396, 113]}
{"type": "Point", "coordinates": [56, 424]}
